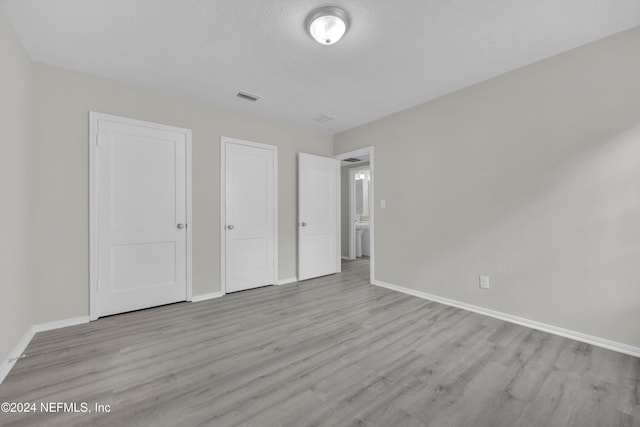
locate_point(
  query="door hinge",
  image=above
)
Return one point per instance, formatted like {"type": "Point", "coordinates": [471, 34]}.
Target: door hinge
{"type": "Point", "coordinates": [97, 286]}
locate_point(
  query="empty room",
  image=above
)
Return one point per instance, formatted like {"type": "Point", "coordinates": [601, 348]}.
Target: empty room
{"type": "Point", "coordinates": [309, 213]}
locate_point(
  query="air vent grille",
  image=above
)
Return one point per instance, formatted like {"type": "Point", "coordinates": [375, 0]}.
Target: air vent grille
{"type": "Point", "coordinates": [247, 96]}
{"type": "Point", "coordinates": [323, 118]}
{"type": "Point", "coordinates": [351, 160]}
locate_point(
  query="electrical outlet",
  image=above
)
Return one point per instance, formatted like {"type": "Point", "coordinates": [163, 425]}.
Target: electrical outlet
{"type": "Point", "coordinates": [484, 282]}
{"type": "Point", "coordinates": [383, 203]}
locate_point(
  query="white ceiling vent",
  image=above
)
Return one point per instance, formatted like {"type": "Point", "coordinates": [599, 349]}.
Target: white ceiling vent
{"type": "Point", "coordinates": [323, 118]}
{"type": "Point", "coordinates": [247, 96]}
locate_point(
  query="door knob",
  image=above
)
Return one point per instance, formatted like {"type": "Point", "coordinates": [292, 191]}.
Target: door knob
{"type": "Point", "coordinates": [303, 224]}
{"type": "Point", "coordinates": [180, 226]}
{"type": "Point", "coordinates": [230, 227]}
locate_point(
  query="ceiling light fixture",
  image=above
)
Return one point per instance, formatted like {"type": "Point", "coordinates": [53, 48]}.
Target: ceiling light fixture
{"type": "Point", "coordinates": [327, 24]}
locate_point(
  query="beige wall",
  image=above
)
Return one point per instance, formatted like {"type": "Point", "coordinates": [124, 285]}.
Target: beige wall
{"type": "Point", "coordinates": [532, 178]}
{"type": "Point", "coordinates": [63, 100]}
{"type": "Point", "coordinates": [15, 190]}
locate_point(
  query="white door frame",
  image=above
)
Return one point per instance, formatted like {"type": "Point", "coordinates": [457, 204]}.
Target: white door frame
{"type": "Point", "coordinates": [355, 153]}
{"type": "Point", "coordinates": [223, 202]}
{"type": "Point", "coordinates": [352, 210]}
{"type": "Point", "coordinates": [94, 118]}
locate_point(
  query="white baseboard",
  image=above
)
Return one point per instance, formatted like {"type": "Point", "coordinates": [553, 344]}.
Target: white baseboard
{"type": "Point", "coordinates": [204, 297]}
{"type": "Point", "coordinates": [346, 257]}
{"type": "Point", "coordinates": [287, 281]}
{"type": "Point", "coordinates": [16, 353]}
{"type": "Point", "coordinates": [567, 333]}
{"type": "Point", "coordinates": [21, 346]}
{"type": "Point", "coordinates": [60, 324]}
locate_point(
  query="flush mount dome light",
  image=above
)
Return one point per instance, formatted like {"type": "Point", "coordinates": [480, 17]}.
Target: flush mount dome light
{"type": "Point", "coordinates": [327, 24]}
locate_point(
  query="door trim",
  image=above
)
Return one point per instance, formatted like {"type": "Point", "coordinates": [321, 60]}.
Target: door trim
{"type": "Point", "coordinates": [94, 118]}
{"type": "Point", "coordinates": [355, 153]}
{"type": "Point", "coordinates": [223, 205]}
{"type": "Point", "coordinates": [352, 211]}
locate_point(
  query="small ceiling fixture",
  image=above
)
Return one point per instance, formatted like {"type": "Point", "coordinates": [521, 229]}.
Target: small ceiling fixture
{"type": "Point", "coordinates": [323, 118]}
{"type": "Point", "coordinates": [248, 96]}
{"type": "Point", "coordinates": [327, 24]}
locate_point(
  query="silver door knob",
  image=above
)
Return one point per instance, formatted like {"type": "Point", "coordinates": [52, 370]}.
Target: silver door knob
{"type": "Point", "coordinates": [303, 224]}
{"type": "Point", "coordinates": [230, 227]}
{"type": "Point", "coordinates": [180, 226]}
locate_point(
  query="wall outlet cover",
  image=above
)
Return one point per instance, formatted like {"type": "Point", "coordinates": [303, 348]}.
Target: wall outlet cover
{"type": "Point", "coordinates": [484, 282]}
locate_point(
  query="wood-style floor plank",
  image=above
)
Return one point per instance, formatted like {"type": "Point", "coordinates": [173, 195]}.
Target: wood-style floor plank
{"type": "Point", "coordinates": [332, 351]}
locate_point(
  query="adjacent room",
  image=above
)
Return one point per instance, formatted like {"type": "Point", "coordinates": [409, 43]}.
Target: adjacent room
{"type": "Point", "coordinates": [308, 213]}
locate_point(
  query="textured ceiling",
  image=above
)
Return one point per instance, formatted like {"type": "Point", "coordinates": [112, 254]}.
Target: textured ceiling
{"type": "Point", "coordinates": [396, 54]}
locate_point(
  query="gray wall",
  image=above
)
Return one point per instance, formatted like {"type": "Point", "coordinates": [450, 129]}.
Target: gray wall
{"type": "Point", "coordinates": [62, 102]}
{"type": "Point", "coordinates": [532, 178]}
{"type": "Point", "coordinates": [15, 190]}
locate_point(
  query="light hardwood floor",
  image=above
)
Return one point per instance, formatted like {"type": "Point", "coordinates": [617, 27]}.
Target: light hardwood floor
{"type": "Point", "coordinates": [333, 351]}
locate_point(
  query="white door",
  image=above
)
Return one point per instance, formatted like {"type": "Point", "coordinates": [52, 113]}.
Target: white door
{"type": "Point", "coordinates": [141, 183]}
{"type": "Point", "coordinates": [249, 229]}
{"type": "Point", "coordinates": [318, 216]}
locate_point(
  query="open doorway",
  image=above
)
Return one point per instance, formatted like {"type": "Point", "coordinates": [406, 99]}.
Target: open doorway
{"type": "Point", "coordinates": [357, 214]}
